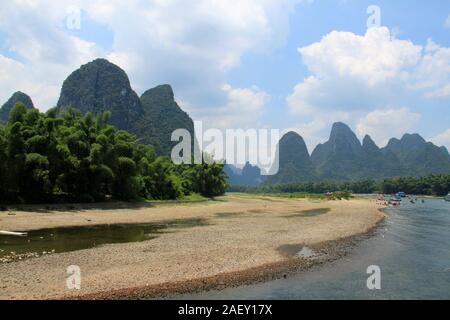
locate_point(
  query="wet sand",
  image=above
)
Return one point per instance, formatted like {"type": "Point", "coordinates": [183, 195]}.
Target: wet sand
{"type": "Point", "coordinates": [243, 243]}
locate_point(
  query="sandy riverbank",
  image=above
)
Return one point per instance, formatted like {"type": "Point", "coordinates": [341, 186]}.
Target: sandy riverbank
{"type": "Point", "coordinates": [242, 243]}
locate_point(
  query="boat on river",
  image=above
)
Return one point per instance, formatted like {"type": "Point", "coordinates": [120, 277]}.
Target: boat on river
{"type": "Point", "coordinates": [395, 202]}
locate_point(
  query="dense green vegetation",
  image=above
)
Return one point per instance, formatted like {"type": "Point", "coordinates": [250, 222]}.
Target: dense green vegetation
{"type": "Point", "coordinates": [436, 185]}
{"type": "Point", "coordinates": [339, 195]}
{"type": "Point", "coordinates": [64, 156]}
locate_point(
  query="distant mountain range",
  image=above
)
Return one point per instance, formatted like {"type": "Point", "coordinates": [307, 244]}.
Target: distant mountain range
{"type": "Point", "coordinates": [344, 158]}
{"type": "Point", "coordinates": [102, 86]}
{"type": "Point", "coordinates": [247, 176]}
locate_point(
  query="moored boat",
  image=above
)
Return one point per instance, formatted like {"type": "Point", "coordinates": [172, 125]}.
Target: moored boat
{"type": "Point", "coordinates": [447, 198]}
{"type": "Point", "coordinates": [395, 202]}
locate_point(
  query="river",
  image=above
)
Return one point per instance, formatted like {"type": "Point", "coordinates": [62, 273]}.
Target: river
{"type": "Point", "coordinates": [411, 248]}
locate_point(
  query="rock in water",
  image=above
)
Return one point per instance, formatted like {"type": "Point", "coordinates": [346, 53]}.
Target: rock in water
{"type": "Point", "coordinates": [102, 86]}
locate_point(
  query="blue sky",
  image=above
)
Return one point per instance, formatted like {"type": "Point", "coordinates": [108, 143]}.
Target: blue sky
{"type": "Point", "coordinates": [238, 64]}
{"type": "Point", "coordinates": [278, 73]}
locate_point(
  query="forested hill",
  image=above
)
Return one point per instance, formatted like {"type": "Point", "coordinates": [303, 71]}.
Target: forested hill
{"type": "Point", "coordinates": [344, 158]}
{"type": "Point", "coordinates": [65, 156]}
{"type": "Point", "coordinates": [16, 97]}
{"type": "Point", "coordinates": [432, 185]}
{"type": "Point", "coordinates": [102, 86]}
{"type": "Point", "coordinates": [247, 176]}
{"type": "Point", "coordinates": [162, 116]}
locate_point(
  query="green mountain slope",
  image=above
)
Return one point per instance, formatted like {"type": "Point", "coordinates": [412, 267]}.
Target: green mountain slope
{"type": "Point", "coordinates": [340, 157]}
{"type": "Point", "coordinates": [100, 86]}
{"type": "Point", "coordinates": [417, 156]}
{"type": "Point", "coordinates": [16, 97]}
{"type": "Point", "coordinates": [344, 158]}
{"type": "Point", "coordinates": [295, 164]}
{"type": "Point", "coordinates": [162, 116]}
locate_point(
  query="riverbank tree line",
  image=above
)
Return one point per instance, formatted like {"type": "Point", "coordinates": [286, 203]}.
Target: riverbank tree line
{"type": "Point", "coordinates": [63, 156]}
{"type": "Point", "coordinates": [432, 185]}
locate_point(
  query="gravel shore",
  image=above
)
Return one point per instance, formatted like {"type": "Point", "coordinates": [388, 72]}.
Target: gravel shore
{"type": "Point", "coordinates": [248, 239]}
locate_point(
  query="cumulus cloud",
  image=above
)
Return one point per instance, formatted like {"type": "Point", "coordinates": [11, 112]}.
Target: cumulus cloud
{"type": "Point", "coordinates": [43, 53]}
{"type": "Point", "coordinates": [354, 72]}
{"type": "Point", "coordinates": [15, 76]}
{"type": "Point", "coordinates": [350, 71]}
{"type": "Point", "coordinates": [360, 78]}
{"type": "Point", "coordinates": [384, 124]}
{"type": "Point", "coordinates": [243, 108]}
{"type": "Point", "coordinates": [433, 72]}
{"type": "Point", "coordinates": [373, 58]}
{"type": "Point", "coordinates": [189, 44]}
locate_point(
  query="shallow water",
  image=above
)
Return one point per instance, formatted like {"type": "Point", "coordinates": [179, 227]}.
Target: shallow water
{"type": "Point", "coordinates": [412, 249]}
{"type": "Point", "coordinates": [77, 238]}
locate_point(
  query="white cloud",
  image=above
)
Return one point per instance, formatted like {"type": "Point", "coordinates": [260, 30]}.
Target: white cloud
{"type": "Point", "coordinates": [361, 77]}
{"type": "Point", "coordinates": [15, 76]}
{"type": "Point", "coordinates": [354, 72]}
{"type": "Point", "coordinates": [440, 92]}
{"type": "Point", "coordinates": [243, 109]}
{"type": "Point", "coordinates": [373, 58]}
{"type": "Point", "coordinates": [384, 124]}
{"type": "Point", "coordinates": [433, 72]}
{"type": "Point", "coordinates": [442, 139]}
{"type": "Point", "coordinates": [45, 53]}
{"type": "Point", "coordinates": [191, 45]}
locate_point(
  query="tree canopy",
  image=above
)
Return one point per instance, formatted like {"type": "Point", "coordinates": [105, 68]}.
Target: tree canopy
{"type": "Point", "coordinates": [433, 185]}
{"type": "Point", "coordinates": [64, 156]}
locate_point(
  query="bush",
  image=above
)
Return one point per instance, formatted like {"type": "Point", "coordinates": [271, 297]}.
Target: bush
{"type": "Point", "coordinates": [62, 155]}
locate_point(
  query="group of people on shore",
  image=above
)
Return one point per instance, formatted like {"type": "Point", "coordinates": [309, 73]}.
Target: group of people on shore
{"type": "Point", "coordinates": [395, 200]}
